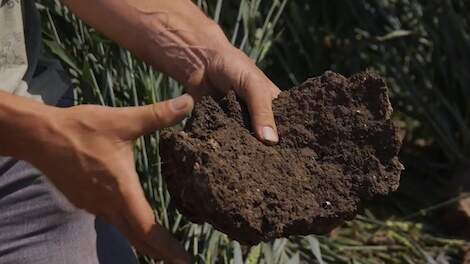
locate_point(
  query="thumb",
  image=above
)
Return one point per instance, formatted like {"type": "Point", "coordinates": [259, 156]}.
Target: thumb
{"type": "Point", "coordinates": [147, 119]}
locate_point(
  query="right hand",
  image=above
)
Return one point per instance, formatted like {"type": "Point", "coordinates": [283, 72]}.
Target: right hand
{"type": "Point", "coordinates": [87, 152]}
{"type": "Point", "coordinates": [228, 68]}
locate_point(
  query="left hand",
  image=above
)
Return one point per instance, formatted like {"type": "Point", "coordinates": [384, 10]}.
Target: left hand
{"type": "Point", "coordinates": [88, 154]}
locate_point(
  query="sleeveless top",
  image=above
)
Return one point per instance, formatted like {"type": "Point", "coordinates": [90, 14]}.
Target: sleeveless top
{"type": "Point", "coordinates": [24, 70]}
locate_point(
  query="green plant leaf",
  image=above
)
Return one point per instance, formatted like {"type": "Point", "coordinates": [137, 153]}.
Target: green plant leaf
{"type": "Point", "coordinates": [63, 55]}
{"type": "Point", "coordinates": [400, 33]}
{"type": "Point", "coordinates": [315, 248]}
{"type": "Point", "coordinates": [237, 253]}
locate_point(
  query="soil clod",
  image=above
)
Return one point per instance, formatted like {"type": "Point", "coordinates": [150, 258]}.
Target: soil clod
{"type": "Point", "coordinates": [338, 146]}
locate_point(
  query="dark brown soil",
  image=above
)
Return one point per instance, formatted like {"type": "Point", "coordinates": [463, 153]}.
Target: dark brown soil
{"type": "Point", "coordinates": [337, 147]}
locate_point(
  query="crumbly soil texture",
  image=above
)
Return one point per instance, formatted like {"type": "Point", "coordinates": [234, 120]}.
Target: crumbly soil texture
{"type": "Point", "coordinates": [338, 147]}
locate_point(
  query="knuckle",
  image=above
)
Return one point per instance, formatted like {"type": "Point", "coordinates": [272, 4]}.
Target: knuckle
{"type": "Point", "coordinates": [159, 112]}
{"type": "Point", "coordinates": [263, 112]}
{"type": "Point", "coordinates": [242, 86]}
{"type": "Point", "coordinates": [217, 65]}
{"type": "Point", "coordinates": [263, 116]}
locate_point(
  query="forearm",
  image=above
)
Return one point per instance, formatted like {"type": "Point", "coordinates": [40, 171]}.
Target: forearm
{"type": "Point", "coordinates": [23, 123]}
{"type": "Point", "coordinates": [173, 36]}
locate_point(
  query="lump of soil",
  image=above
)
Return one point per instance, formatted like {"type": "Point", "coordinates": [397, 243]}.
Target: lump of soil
{"type": "Point", "coordinates": [337, 147]}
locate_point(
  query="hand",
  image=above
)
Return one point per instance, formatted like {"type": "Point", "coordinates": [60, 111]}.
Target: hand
{"type": "Point", "coordinates": [178, 39]}
{"type": "Point", "coordinates": [88, 155]}
{"type": "Point", "coordinates": [230, 69]}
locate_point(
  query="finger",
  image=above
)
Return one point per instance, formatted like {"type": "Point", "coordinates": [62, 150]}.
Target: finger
{"type": "Point", "coordinates": [147, 119]}
{"type": "Point", "coordinates": [118, 222]}
{"type": "Point", "coordinates": [159, 243]}
{"type": "Point", "coordinates": [258, 92]}
{"type": "Point", "coordinates": [123, 226]}
{"type": "Point", "coordinates": [207, 90]}
{"type": "Point", "coordinates": [236, 71]}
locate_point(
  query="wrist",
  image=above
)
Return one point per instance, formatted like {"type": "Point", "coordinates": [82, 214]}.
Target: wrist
{"type": "Point", "coordinates": [25, 124]}
{"type": "Point", "coordinates": [39, 133]}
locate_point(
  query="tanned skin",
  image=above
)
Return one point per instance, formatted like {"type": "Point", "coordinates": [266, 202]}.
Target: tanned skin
{"type": "Point", "coordinates": [87, 151]}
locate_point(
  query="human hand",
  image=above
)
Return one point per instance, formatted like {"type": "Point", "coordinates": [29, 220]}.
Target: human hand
{"type": "Point", "coordinates": [229, 68]}
{"type": "Point", "coordinates": [88, 155]}
{"type": "Point", "coordinates": [177, 38]}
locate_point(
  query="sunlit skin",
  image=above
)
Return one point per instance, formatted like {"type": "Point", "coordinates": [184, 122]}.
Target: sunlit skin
{"type": "Point", "coordinates": [87, 151]}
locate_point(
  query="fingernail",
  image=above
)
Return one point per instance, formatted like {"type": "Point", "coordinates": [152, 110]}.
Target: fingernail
{"type": "Point", "coordinates": [269, 135]}
{"type": "Point", "coordinates": [179, 103]}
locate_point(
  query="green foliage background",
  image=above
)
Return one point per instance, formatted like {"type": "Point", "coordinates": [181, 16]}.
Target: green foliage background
{"type": "Point", "coordinates": [421, 47]}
